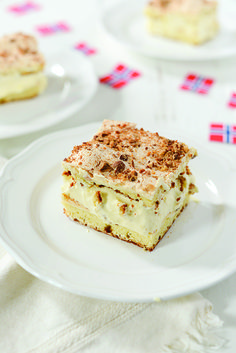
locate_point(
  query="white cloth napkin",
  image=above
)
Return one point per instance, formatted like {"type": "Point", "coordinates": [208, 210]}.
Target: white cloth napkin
{"type": "Point", "coordinates": [36, 317]}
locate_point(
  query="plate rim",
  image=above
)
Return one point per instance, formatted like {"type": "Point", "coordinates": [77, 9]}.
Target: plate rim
{"type": "Point", "coordinates": [16, 253]}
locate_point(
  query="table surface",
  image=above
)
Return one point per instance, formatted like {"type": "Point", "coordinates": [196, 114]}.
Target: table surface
{"type": "Point", "coordinates": [154, 97]}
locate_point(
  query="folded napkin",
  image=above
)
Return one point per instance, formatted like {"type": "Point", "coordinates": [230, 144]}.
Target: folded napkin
{"type": "Point", "coordinates": [36, 317]}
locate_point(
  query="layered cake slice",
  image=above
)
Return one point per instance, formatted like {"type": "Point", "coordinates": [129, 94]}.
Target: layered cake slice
{"type": "Point", "coordinates": [128, 183]}
{"type": "Point", "coordinates": [191, 21]}
{"type": "Point", "coordinates": [21, 68]}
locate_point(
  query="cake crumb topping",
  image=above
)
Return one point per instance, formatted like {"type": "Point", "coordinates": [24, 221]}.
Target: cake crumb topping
{"type": "Point", "coordinates": [182, 5]}
{"type": "Point", "coordinates": [19, 54]}
{"type": "Point", "coordinates": [122, 153]}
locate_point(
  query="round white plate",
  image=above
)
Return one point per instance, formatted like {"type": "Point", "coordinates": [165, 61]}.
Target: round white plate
{"type": "Point", "coordinates": [71, 83]}
{"type": "Point", "coordinates": [126, 22]}
{"type": "Point", "coordinates": [198, 251]}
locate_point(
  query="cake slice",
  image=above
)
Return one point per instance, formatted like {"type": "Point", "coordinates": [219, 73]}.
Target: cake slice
{"type": "Point", "coordinates": [128, 183]}
{"type": "Point", "coordinates": [191, 21]}
{"type": "Point", "coordinates": [21, 68]}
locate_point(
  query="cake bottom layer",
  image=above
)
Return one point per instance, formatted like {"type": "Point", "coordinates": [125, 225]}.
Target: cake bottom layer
{"type": "Point", "coordinates": [17, 87]}
{"type": "Point", "coordinates": [78, 213]}
{"type": "Point", "coordinates": [180, 28]}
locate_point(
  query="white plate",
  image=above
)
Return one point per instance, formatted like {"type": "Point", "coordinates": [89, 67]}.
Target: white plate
{"type": "Point", "coordinates": [126, 22]}
{"type": "Point", "coordinates": [197, 252]}
{"type": "Point", "coordinates": [71, 83]}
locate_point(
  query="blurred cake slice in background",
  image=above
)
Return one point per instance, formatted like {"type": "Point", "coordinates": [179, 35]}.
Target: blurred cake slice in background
{"type": "Point", "coordinates": [191, 21]}
{"type": "Point", "coordinates": [21, 68]}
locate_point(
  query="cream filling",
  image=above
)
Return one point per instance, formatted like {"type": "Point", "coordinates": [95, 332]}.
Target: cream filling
{"type": "Point", "coordinates": [17, 84]}
{"type": "Point", "coordinates": [115, 208]}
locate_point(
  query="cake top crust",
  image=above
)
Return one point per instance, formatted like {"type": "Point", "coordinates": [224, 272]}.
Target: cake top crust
{"type": "Point", "coordinates": [182, 5]}
{"type": "Point", "coordinates": [132, 157]}
{"type": "Point", "coordinates": [19, 54]}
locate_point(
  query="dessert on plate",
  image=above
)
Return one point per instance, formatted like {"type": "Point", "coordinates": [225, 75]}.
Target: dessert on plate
{"type": "Point", "coordinates": [21, 68]}
{"type": "Point", "coordinates": [191, 21]}
{"type": "Point", "coordinates": [128, 183]}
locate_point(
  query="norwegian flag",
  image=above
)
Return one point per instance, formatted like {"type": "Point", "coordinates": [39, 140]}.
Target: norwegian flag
{"type": "Point", "coordinates": [222, 133]}
{"type": "Point", "coordinates": [196, 83]}
{"type": "Point", "coordinates": [21, 9]}
{"type": "Point", "coordinates": [85, 48]}
{"type": "Point", "coordinates": [46, 30]}
{"type": "Point", "coordinates": [232, 101]}
{"type": "Point", "coordinates": [120, 76]}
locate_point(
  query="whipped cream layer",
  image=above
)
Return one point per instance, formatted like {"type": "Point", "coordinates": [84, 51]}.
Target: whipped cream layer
{"type": "Point", "coordinates": [114, 207]}
{"type": "Point", "coordinates": [17, 84]}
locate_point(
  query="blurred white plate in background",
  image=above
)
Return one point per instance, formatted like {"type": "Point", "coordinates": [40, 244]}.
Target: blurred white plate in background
{"type": "Point", "coordinates": [126, 22]}
{"type": "Point", "coordinates": [71, 84]}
